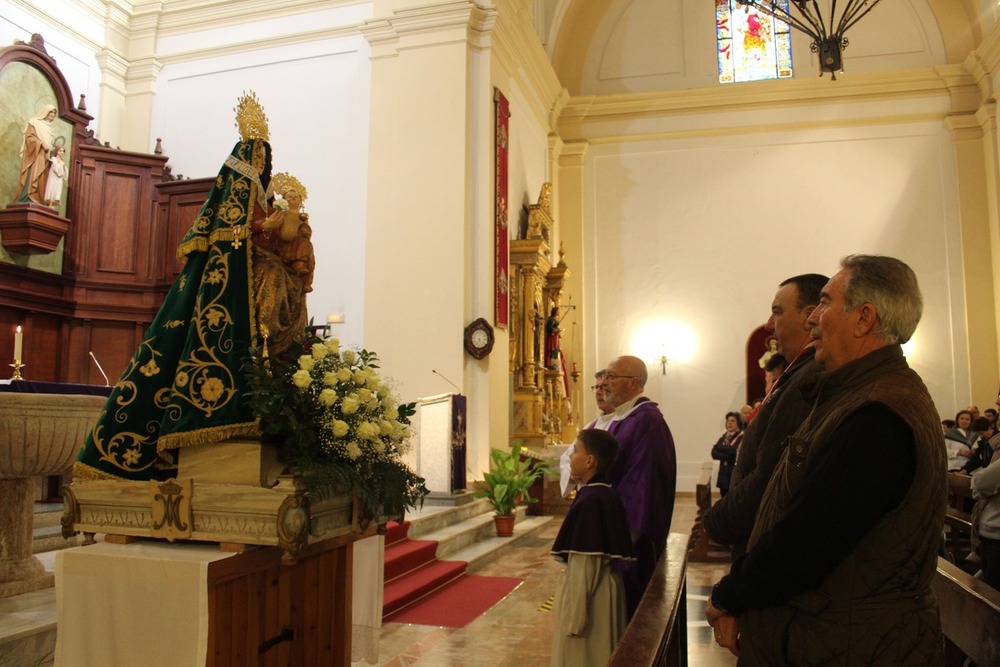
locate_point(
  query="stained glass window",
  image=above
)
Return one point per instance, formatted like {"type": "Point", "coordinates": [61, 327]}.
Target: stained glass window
{"type": "Point", "coordinates": [752, 45]}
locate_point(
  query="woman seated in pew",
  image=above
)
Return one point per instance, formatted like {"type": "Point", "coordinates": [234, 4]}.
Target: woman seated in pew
{"type": "Point", "coordinates": [959, 439]}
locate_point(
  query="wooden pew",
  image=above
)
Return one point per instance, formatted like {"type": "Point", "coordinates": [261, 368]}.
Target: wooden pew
{"type": "Point", "coordinates": [970, 616]}
{"type": "Point", "coordinates": [701, 549]}
{"type": "Point", "coordinates": [958, 521]}
{"type": "Point", "coordinates": [657, 633]}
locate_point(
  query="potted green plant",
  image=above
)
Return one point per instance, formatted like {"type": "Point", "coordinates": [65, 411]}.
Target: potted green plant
{"type": "Point", "coordinates": [507, 485]}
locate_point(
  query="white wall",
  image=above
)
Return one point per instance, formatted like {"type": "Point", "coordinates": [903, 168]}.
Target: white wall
{"type": "Point", "coordinates": [316, 97]}
{"type": "Point", "coordinates": [698, 233]}
{"type": "Point", "coordinates": [70, 36]}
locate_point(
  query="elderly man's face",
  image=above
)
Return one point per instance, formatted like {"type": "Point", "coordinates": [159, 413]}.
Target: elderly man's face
{"type": "Point", "coordinates": [832, 328]}
{"type": "Point", "coordinates": [600, 396]}
{"type": "Point", "coordinates": [620, 385]}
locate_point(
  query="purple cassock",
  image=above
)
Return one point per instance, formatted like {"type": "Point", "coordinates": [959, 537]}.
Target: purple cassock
{"type": "Point", "coordinates": [595, 524]}
{"type": "Point", "coordinates": [645, 478]}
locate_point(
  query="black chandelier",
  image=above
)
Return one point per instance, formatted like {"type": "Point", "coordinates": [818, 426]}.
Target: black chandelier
{"type": "Point", "coordinates": [827, 34]}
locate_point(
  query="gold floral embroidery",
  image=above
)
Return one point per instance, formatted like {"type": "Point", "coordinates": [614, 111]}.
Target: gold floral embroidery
{"type": "Point", "coordinates": [208, 385]}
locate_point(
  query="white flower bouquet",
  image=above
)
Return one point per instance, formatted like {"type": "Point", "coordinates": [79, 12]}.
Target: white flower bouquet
{"type": "Point", "coordinates": [340, 423]}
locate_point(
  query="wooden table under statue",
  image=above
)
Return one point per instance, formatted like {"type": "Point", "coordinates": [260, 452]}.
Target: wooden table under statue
{"type": "Point", "coordinates": [243, 571]}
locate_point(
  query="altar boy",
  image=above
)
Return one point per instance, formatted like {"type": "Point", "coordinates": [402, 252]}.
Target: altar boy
{"type": "Point", "coordinates": [591, 602]}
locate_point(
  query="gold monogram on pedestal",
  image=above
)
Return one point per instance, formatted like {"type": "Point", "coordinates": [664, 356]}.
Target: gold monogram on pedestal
{"type": "Point", "coordinates": [233, 492]}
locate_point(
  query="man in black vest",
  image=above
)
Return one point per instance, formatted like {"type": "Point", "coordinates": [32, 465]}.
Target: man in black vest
{"type": "Point", "coordinates": [844, 548]}
{"type": "Point", "coordinates": [730, 520]}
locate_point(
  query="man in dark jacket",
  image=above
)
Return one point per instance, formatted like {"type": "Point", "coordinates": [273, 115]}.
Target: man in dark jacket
{"type": "Point", "coordinates": [730, 520]}
{"type": "Point", "coordinates": [842, 555]}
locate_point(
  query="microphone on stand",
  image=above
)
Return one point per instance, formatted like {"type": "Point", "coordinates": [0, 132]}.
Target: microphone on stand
{"type": "Point", "coordinates": [107, 383]}
{"type": "Point", "coordinates": [457, 388]}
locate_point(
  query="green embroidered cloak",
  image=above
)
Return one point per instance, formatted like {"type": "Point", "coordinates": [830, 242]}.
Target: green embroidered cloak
{"type": "Point", "coordinates": [184, 385]}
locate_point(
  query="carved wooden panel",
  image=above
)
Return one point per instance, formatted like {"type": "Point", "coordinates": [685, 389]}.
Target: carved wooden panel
{"type": "Point", "coordinates": [179, 205]}
{"type": "Point", "coordinates": [117, 230]}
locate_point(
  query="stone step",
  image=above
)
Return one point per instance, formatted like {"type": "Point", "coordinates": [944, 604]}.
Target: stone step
{"type": "Point", "coordinates": [47, 533]}
{"type": "Point", "coordinates": [468, 534]}
{"type": "Point", "coordinates": [28, 630]}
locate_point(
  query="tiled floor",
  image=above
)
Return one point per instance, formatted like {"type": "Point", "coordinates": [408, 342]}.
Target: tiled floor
{"type": "Point", "coordinates": [518, 632]}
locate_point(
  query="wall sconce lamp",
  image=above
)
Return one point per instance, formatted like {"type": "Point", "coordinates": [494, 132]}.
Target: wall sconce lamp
{"type": "Point", "coordinates": [664, 360]}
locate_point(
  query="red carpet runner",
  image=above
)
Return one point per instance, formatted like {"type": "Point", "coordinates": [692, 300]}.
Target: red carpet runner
{"type": "Point", "coordinates": [422, 590]}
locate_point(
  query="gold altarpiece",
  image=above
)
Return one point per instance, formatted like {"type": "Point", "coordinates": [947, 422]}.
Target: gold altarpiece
{"type": "Point", "coordinates": [541, 407]}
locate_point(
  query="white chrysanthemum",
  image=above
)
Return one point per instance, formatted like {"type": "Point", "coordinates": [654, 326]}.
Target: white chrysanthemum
{"type": "Point", "coordinates": [319, 351]}
{"type": "Point", "coordinates": [302, 379]}
{"type": "Point", "coordinates": [344, 374]}
{"type": "Point", "coordinates": [350, 404]}
{"type": "Point", "coordinates": [340, 428]}
{"type": "Point", "coordinates": [327, 397]}
{"type": "Point", "coordinates": [306, 362]}
{"type": "Point", "coordinates": [353, 451]}
{"type": "Point", "coordinates": [349, 357]}
{"type": "Point", "coordinates": [333, 345]}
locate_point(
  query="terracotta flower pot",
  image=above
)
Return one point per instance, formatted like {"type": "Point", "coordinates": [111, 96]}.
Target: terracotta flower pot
{"type": "Point", "coordinates": [504, 525]}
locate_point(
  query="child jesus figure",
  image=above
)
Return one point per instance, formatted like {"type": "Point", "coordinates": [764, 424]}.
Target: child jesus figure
{"type": "Point", "coordinates": [591, 601]}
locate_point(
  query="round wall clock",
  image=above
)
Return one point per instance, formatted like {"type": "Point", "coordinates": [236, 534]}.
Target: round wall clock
{"type": "Point", "coordinates": [479, 338]}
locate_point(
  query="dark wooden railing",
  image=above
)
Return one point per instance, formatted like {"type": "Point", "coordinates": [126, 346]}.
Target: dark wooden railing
{"type": "Point", "coordinates": [970, 616]}
{"type": "Point", "coordinates": [657, 634]}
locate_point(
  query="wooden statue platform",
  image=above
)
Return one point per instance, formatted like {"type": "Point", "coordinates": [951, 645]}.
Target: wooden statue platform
{"type": "Point", "coordinates": [229, 493]}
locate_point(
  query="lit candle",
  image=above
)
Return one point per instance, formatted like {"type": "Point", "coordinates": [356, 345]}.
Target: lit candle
{"type": "Point", "coordinates": [18, 340]}
{"type": "Point", "coordinates": [574, 367]}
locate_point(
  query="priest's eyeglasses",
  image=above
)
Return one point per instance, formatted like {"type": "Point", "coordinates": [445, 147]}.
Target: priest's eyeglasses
{"type": "Point", "coordinates": [614, 376]}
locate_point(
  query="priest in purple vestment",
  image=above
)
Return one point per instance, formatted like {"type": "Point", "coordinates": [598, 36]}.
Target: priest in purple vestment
{"type": "Point", "coordinates": [645, 473]}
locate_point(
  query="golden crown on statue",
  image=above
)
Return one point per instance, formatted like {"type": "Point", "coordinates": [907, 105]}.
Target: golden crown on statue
{"type": "Point", "coordinates": [250, 118]}
{"type": "Point", "coordinates": [283, 183]}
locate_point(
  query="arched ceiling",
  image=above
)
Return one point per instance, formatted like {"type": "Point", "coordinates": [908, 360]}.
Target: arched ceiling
{"type": "Point", "coordinates": [576, 24]}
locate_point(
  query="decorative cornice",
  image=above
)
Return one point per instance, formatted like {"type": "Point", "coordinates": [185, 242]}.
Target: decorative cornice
{"type": "Point", "coordinates": [112, 63]}
{"type": "Point", "coordinates": [581, 116]}
{"type": "Point", "coordinates": [427, 25]}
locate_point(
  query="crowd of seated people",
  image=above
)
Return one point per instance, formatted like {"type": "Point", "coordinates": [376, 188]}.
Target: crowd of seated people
{"type": "Point", "coordinates": [971, 441]}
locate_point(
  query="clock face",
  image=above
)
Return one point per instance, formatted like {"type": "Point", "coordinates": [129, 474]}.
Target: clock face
{"type": "Point", "coordinates": [479, 338]}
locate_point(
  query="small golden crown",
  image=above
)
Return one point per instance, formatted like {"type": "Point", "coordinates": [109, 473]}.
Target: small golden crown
{"type": "Point", "coordinates": [284, 182]}
{"type": "Point", "coordinates": [250, 118]}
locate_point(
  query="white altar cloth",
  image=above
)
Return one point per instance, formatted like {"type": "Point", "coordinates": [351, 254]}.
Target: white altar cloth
{"type": "Point", "coordinates": [136, 604]}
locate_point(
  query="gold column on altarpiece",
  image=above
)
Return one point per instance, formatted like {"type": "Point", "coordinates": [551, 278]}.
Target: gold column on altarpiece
{"type": "Point", "coordinates": [540, 404]}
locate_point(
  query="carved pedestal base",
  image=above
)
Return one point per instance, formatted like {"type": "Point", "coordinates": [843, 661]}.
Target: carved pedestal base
{"type": "Point", "coordinates": [31, 229]}
{"type": "Point", "coordinates": [191, 508]}
{"type": "Point", "coordinates": [20, 571]}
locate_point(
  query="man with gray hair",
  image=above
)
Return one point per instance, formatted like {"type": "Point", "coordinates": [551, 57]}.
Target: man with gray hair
{"type": "Point", "coordinates": [845, 543]}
